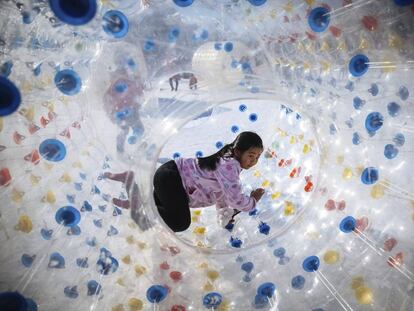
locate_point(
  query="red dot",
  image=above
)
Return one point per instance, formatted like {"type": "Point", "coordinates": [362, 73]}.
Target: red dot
{"type": "Point", "coordinates": [176, 276]}
{"type": "Point", "coordinates": [165, 266]}
{"type": "Point", "coordinates": [177, 308]}
{"type": "Point", "coordinates": [370, 23]}
{"type": "Point", "coordinates": [330, 205]}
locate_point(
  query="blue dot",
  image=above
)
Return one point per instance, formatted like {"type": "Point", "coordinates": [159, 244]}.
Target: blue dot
{"type": "Point", "coordinates": [374, 90]}
{"type": "Point", "coordinates": [242, 107]}
{"type": "Point", "coordinates": [247, 278]}
{"type": "Point", "coordinates": [358, 102]}
{"type": "Point", "coordinates": [319, 19]}
{"type": "Point", "coordinates": [46, 233]}
{"type": "Point", "coordinates": [311, 264]}
{"type": "Point", "coordinates": [393, 109]}
{"type": "Point", "coordinates": [403, 93]}
{"type": "Point", "coordinates": [369, 175]}
{"type": "Point", "coordinates": [228, 46]}
{"type": "Point", "coordinates": [132, 140]}
{"type": "Point", "coordinates": [27, 260]}
{"type": "Point", "coordinates": [279, 252]}
{"type": "Point", "coordinates": [94, 288]}
{"type": "Point", "coordinates": [121, 87]}
{"type": "Point", "coordinates": [217, 46]}
{"type": "Point", "coordinates": [67, 216]}
{"type": "Point", "coordinates": [264, 228]}
{"type": "Point", "coordinates": [219, 144]}
{"type": "Point", "coordinates": [52, 150]}
{"type": "Point", "coordinates": [74, 12]}
{"type": "Point", "coordinates": [234, 64]}
{"type": "Point", "coordinates": [149, 46]}
{"type": "Point", "coordinates": [374, 122]}
{"type": "Point", "coordinates": [266, 289]}
{"type": "Point", "coordinates": [235, 129]}
{"type": "Point", "coordinates": [212, 300]}
{"type": "Point", "coordinates": [183, 3]}
{"type": "Point", "coordinates": [356, 139]}
{"type": "Point", "coordinates": [71, 292]}
{"type": "Point", "coordinates": [173, 34]}
{"type": "Point", "coordinates": [68, 82]}
{"type": "Point", "coordinates": [176, 155]}
{"type": "Point", "coordinates": [347, 224]}
{"type": "Point", "coordinates": [235, 242]}
{"type": "Point", "coordinates": [358, 65]}
{"type": "Point", "coordinates": [390, 151]}
{"type": "Point", "coordinates": [257, 2]}
{"type": "Point", "coordinates": [10, 97]}
{"type": "Point", "coordinates": [255, 89]}
{"type": "Point", "coordinates": [6, 69]}
{"type": "Point", "coordinates": [298, 282]}
{"type": "Point", "coordinates": [399, 140]}
{"type": "Point", "coordinates": [199, 154]}
{"type": "Point", "coordinates": [247, 267]}
{"type": "Point", "coordinates": [115, 24]}
{"type": "Point", "coordinates": [204, 34]}
{"type": "Point", "coordinates": [253, 117]}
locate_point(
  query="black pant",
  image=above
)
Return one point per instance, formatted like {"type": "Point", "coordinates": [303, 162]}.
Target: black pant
{"type": "Point", "coordinates": [171, 198]}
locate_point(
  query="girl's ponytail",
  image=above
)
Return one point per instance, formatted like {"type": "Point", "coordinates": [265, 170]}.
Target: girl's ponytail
{"type": "Point", "coordinates": [209, 163]}
{"type": "Point", "coordinates": [243, 142]}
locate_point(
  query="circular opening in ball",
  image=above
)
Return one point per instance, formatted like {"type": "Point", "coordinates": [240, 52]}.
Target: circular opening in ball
{"type": "Point", "coordinates": [74, 12]}
{"type": "Point", "coordinates": [9, 97]}
{"type": "Point", "coordinates": [68, 82]}
{"type": "Point", "coordinates": [291, 154]}
{"type": "Point", "coordinates": [115, 23]}
{"type": "Point", "coordinates": [13, 301]}
{"type": "Point", "coordinates": [68, 216]}
{"type": "Point", "coordinates": [183, 3]}
{"type": "Point", "coordinates": [319, 19]}
{"type": "Point", "coordinates": [358, 65]}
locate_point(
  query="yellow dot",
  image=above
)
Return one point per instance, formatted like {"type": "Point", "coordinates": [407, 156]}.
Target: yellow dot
{"type": "Point", "coordinates": [197, 213]}
{"type": "Point", "coordinates": [363, 44]}
{"type": "Point", "coordinates": [120, 281]}
{"type": "Point", "coordinates": [276, 195]}
{"type": "Point", "coordinates": [126, 259]}
{"type": "Point", "coordinates": [265, 183]}
{"type": "Point", "coordinates": [347, 173]}
{"type": "Point", "coordinates": [25, 224]}
{"type": "Point", "coordinates": [212, 274]}
{"type": "Point", "coordinates": [331, 257]}
{"type": "Point", "coordinates": [340, 159]}
{"type": "Point", "coordinates": [140, 270]}
{"type": "Point", "coordinates": [257, 174]}
{"type": "Point", "coordinates": [203, 265]}
{"type": "Point", "coordinates": [130, 239]}
{"type": "Point", "coordinates": [289, 209]}
{"type": "Point", "coordinates": [306, 66]}
{"type": "Point", "coordinates": [135, 304]}
{"type": "Point", "coordinates": [357, 282]}
{"type": "Point", "coordinates": [292, 140]}
{"type": "Point", "coordinates": [65, 178]}
{"type": "Point", "coordinates": [118, 307]}
{"type": "Point", "coordinates": [194, 219]}
{"type": "Point", "coordinates": [310, 2]}
{"type": "Point", "coordinates": [208, 286]}
{"type": "Point", "coordinates": [17, 196]}
{"type": "Point", "coordinates": [34, 180]}
{"type": "Point", "coordinates": [200, 244]}
{"type": "Point", "coordinates": [377, 191]}
{"type": "Point", "coordinates": [306, 148]}
{"type": "Point", "coordinates": [199, 230]}
{"type": "Point", "coordinates": [50, 197]}
{"type": "Point", "coordinates": [364, 295]}
{"type": "Point", "coordinates": [142, 245]}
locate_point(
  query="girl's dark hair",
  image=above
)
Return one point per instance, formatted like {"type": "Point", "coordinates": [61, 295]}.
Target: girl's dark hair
{"type": "Point", "coordinates": [243, 142]}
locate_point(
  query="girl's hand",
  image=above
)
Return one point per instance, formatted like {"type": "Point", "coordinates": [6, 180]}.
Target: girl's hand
{"type": "Point", "coordinates": [257, 194]}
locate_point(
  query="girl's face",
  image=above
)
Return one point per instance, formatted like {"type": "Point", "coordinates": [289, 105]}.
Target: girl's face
{"type": "Point", "coordinates": [248, 158]}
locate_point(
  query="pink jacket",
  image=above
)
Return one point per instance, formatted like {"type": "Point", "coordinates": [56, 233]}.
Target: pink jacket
{"type": "Point", "coordinates": [221, 186]}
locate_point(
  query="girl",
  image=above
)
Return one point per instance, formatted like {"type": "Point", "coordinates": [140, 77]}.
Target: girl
{"type": "Point", "coordinates": [183, 183]}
